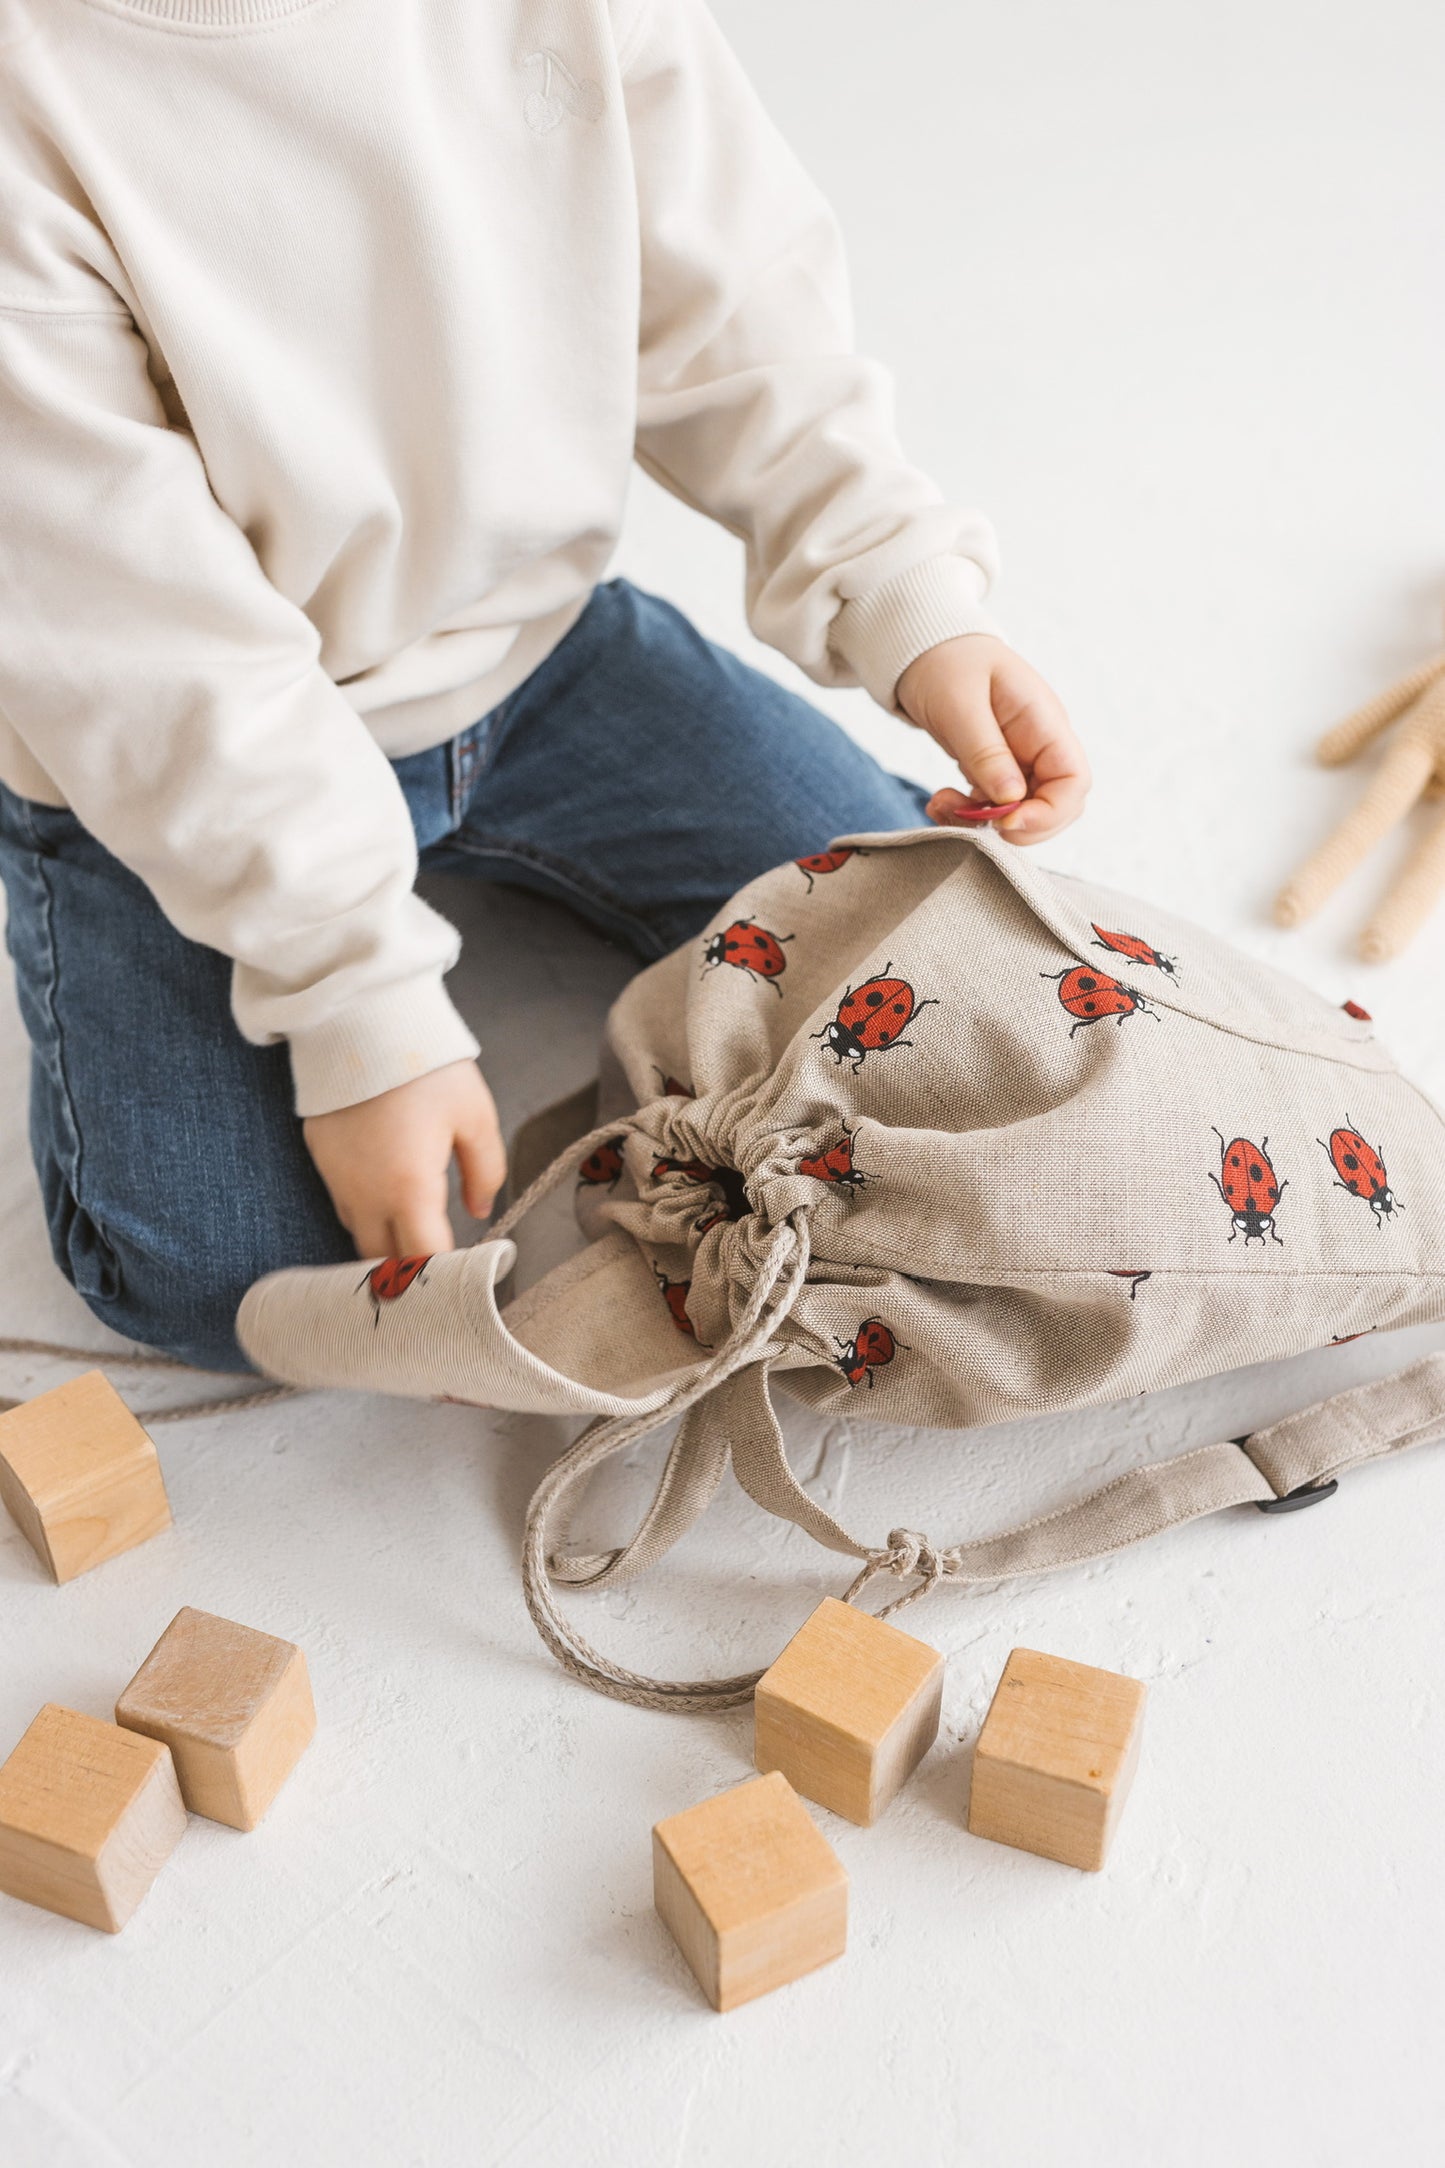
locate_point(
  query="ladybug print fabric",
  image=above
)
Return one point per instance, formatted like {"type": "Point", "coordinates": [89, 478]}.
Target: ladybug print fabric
{"type": "Point", "coordinates": [871, 1348]}
{"type": "Point", "coordinates": [1360, 1170]}
{"type": "Point", "coordinates": [946, 1138]}
{"type": "Point", "coordinates": [675, 1293]}
{"type": "Point", "coordinates": [835, 1164]}
{"type": "Point", "coordinates": [1091, 996]}
{"type": "Point", "coordinates": [1137, 950]}
{"type": "Point", "coordinates": [389, 1281]}
{"type": "Point", "coordinates": [873, 1020]}
{"type": "Point", "coordinates": [822, 862]}
{"type": "Point", "coordinates": [1249, 1186]}
{"type": "Point", "coordinates": [602, 1169]}
{"type": "Point", "coordinates": [748, 948]}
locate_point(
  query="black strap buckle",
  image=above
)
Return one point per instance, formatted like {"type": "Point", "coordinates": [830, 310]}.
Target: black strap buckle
{"type": "Point", "coordinates": [1308, 1494]}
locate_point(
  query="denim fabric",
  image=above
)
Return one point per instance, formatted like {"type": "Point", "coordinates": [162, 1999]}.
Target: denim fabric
{"type": "Point", "coordinates": [641, 774]}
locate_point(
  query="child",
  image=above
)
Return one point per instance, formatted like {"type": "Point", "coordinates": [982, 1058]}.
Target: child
{"type": "Point", "coordinates": [329, 330]}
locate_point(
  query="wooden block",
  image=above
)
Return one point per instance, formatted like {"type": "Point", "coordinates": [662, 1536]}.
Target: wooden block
{"type": "Point", "coordinates": [88, 1817]}
{"type": "Point", "coordinates": [849, 1710]}
{"type": "Point", "coordinates": [80, 1476]}
{"type": "Point", "coordinates": [1055, 1758]}
{"type": "Point", "coordinates": [234, 1706]}
{"type": "Point", "coordinates": [751, 1889]}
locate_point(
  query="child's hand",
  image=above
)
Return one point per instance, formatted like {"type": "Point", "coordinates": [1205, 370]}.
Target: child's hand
{"type": "Point", "coordinates": [1006, 729]}
{"type": "Point", "coordinates": [386, 1160]}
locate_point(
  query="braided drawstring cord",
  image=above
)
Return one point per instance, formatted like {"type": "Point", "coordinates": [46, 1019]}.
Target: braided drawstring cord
{"type": "Point", "coordinates": [774, 1291]}
{"type": "Point", "coordinates": [146, 1359]}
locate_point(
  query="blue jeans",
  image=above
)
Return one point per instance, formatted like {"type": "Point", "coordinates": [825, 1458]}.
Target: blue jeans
{"type": "Point", "coordinates": [641, 774]}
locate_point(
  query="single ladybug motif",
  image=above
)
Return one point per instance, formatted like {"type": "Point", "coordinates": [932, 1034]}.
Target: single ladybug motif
{"type": "Point", "coordinates": [693, 1169]}
{"type": "Point", "coordinates": [1090, 996]}
{"type": "Point", "coordinates": [673, 1088]}
{"type": "Point", "coordinates": [1250, 1187]}
{"type": "Point", "coordinates": [871, 1346]}
{"type": "Point", "coordinates": [1361, 1016]}
{"type": "Point", "coordinates": [1135, 1279]}
{"type": "Point", "coordinates": [873, 1020]}
{"type": "Point", "coordinates": [822, 862]}
{"type": "Point", "coordinates": [1360, 1169]}
{"type": "Point", "coordinates": [749, 947]}
{"type": "Point", "coordinates": [835, 1164]}
{"type": "Point", "coordinates": [1137, 950]}
{"type": "Point", "coordinates": [390, 1279]}
{"type": "Point", "coordinates": [602, 1169]}
{"type": "Point", "coordinates": [675, 1294]}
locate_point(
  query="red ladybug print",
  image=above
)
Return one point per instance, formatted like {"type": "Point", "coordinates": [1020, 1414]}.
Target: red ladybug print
{"type": "Point", "coordinates": [1250, 1187]}
{"type": "Point", "coordinates": [675, 1294]}
{"type": "Point", "coordinates": [1360, 1169]}
{"type": "Point", "coordinates": [1090, 996]}
{"type": "Point", "coordinates": [835, 1164]}
{"type": "Point", "coordinates": [602, 1169]}
{"type": "Point", "coordinates": [391, 1278]}
{"type": "Point", "coordinates": [871, 1346]}
{"type": "Point", "coordinates": [872, 1020]}
{"type": "Point", "coordinates": [1361, 1016]}
{"type": "Point", "coordinates": [1137, 951]}
{"type": "Point", "coordinates": [822, 862]}
{"type": "Point", "coordinates": [694, 1169]}
{"type": "Point", "coordinates": [1135, 1279]}
{"type": "Point", "coordinates": [748, 947]}
{"type": "Point", "coordinates": [672, 1088]}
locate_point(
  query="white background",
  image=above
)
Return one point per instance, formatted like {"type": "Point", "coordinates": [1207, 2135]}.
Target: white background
{"type": "Point", "coordinates": [1161, 288]}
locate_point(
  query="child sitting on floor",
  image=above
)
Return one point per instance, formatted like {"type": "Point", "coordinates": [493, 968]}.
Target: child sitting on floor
{"type": "Point", "coordinates": [328, 335]}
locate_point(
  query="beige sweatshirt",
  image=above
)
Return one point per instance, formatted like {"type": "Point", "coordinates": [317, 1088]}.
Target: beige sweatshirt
{"type": "Point", "coordinates": [328, 332]}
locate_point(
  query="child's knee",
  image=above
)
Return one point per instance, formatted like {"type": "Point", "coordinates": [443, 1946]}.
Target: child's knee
{"type": "Point", "coordinates": [195, 1324]}
{"type": "Point", "coordinates": [180, 1303]}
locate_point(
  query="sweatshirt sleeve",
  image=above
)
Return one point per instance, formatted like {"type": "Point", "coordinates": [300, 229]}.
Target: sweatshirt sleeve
{"type": "Point", "coordinates": [176, 698]}
{"type": "Point", "coordinates": [753, 406]}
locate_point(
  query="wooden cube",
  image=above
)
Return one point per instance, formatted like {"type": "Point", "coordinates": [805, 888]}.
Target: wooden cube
{"type": "Point", "coordinates": [751, 1889]}
{"type": "Point", "coordinates": [1056, 1757]}
{"type": "Point", "coordinates": [849, 1710]}
{"type": "Point", "coordinates": [88, 1817]}
{"type": "Point", "coordinates": [80, 1476]}
{"type": "Point", "coordinates": [234, 1706]}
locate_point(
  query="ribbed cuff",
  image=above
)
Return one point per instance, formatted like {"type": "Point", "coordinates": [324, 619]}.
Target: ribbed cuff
{"type": "Point", "coordinates": [379, 1041]}
{"type": "Point", "coordinates": [879, 634]}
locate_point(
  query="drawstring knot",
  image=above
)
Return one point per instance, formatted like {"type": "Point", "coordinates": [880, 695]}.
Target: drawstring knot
{"type": "Point", "coordinates": [905, 1553]}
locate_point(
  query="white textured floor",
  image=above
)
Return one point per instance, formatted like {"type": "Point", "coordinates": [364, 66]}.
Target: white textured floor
{"type": "Point", "coordinates": [1160, 287]}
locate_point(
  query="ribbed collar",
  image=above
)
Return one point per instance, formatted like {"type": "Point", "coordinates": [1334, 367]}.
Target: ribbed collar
{"type": "Point", "coordinates": [208, 14]}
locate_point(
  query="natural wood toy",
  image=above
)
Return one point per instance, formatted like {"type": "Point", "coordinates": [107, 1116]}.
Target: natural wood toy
{"type": "Point", "coordinates": [849, 1710]}
{"type": "Point", "coordinates": [1056, 1757]}
{"type": "Point", "coordinates": [80, 1476]}
{"type": "Point", "coordinates": [88, 1817]}
{"type": "Point", "coordinates": [234, 1706]}
{"type": "Point", "coordinates": [751, 1890]}
{"type": "Point", "coordinates": [1413, 768]}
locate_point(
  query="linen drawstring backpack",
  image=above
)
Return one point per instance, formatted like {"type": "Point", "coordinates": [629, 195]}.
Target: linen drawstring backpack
{"type": "Point", "coordinates": [926, 1131]}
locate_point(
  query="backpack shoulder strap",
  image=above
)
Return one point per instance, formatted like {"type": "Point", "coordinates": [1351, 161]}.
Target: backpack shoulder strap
{"type": "Point", "coordinates": [1290, 1463]}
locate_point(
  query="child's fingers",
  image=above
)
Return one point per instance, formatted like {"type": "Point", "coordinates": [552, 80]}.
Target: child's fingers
{"type": "Point", "coordinates": [982, 752]}
{"type": "Point", "coordinates": [1054, 802]}
{"type": "Point", "coordinates": [1059, 778]}
{"type": "Point", "coordinates": [418, 1230]}
{"type": "Point", "coordinates": [482, 1164]}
